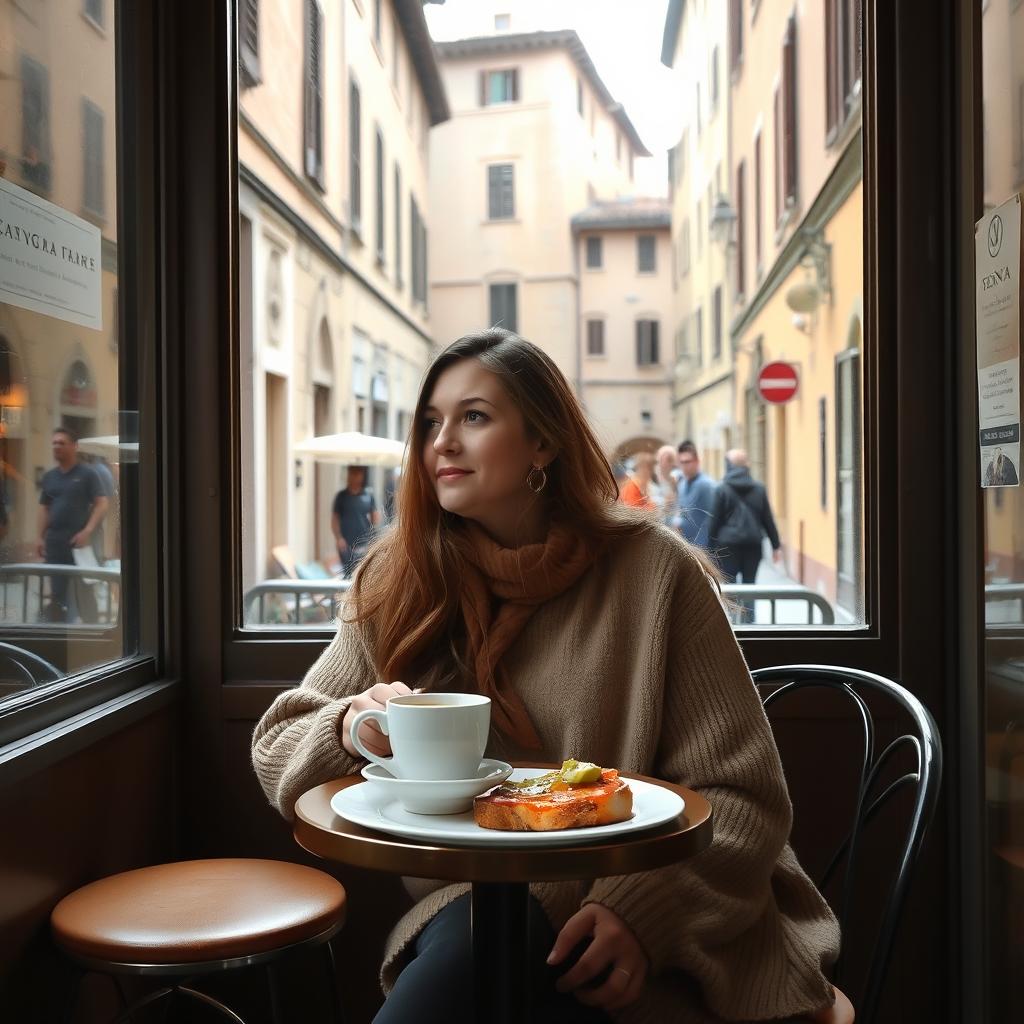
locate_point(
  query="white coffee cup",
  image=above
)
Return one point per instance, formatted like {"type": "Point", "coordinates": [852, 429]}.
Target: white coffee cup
{"type": "Point", "coordinates": [433, 735]}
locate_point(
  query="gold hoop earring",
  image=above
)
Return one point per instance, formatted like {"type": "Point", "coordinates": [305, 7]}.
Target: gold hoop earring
{"type": "Point", "coordinates": [531, 481]}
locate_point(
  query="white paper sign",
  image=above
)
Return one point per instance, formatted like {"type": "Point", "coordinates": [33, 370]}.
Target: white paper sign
{"type": "Point", "coordinates": [997, 262]}
{"type": "Point", "coordinates": [49, 259]}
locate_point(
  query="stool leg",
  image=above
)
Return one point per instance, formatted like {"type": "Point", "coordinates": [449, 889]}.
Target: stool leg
{"type": "Point", "coordinates": [215, 1004]}
{"type": "Point", "coordinates": [332, 970]}
{"type": "Point", "coordinates": [71, 996]}
{"type": "Point", "coordinates": [152, 997]}
{"type": "Point", "coordinates": [275, 997]}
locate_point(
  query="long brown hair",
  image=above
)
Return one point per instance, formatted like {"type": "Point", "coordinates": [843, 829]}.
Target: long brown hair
{"type": "Point", "coordinates": [407, 591]}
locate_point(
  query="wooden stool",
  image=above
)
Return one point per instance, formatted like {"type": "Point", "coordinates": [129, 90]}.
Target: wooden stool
{"type": "Point", "coordinates": [200, 917]}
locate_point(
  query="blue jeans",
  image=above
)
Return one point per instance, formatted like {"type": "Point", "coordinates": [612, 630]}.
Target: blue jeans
{"type": "Point", "coordinates": [436, 987]}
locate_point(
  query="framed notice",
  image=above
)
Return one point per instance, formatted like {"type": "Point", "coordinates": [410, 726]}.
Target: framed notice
{"type": "Point", "coordinates": [997, 240]}
{"type": "Point", "coordinates": [49, 259]}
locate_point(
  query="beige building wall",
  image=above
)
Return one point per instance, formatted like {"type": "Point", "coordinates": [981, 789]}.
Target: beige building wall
{"type": "Point", "coordinates": [788, 449]}
{"type": "Point", "coordinates": [338, 340]}
{"type": "Point", "coordinates": [47, 353]}
{"type": "Point", "coordinates": [561, 161]}
{"type": "Point", "coordinates": [629, 405]}
{"type": "Point", "coordinates": [699, 176]}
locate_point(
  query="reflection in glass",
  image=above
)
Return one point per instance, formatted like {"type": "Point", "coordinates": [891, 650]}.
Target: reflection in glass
{"type": "Point", "coordinates": [63, 459]}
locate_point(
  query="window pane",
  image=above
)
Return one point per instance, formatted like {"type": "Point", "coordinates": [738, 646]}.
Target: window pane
{"type": "Point", "coordinates": [68, 444]}
{"type": "Point", "coordinates": [768, 259]}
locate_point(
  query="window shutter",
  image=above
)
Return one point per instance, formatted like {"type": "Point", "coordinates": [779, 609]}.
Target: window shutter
{"type": "Point", "coordinates": [398, 226]}
{"type": "Point", "coordinates": [314, 93]}
{"type": "Point", "coordinates": [853, 47]}
{"type": "Point", "coordinates": [735, 33]}
{"type": "Point", "coordinates": [423, 262]}
{"type": "Point", "coordinates": [355, 164]}
{"type": "Point", "coordinates": [482, 79]}
{"type": "Point", "coordinates": [515, 85]}
{"type": "Point", "coordinates": [790, 113]}
{"type": "Point", "coordinates": [654, 342]}
{"type": "Point", "coordinates": [493, 192]}
{"type": "Point", "coordinates": [779, 173]}
{"type": "Point", "coordinates": [832, 117]}
{"type": "Point", "coordinates": [249, 42]}
{"type": "Point", "coordinates": [741, 228]}
{"type": "Point", "coordinates": [92, 184]}
{"type": "Point", "coordinates": [414, 249]}
{"type": "Point", "coordinates": [716, 326]}
{"type": "Point", "coordinates": [639, 343]}
{"type": "Point", "coordinates": [758, 212]}
{"type": "Point", "coordinates": [379, 169]}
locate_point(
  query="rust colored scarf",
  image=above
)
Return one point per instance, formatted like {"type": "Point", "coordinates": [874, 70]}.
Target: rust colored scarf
{"type": "Point", "coordinates": [502, 589]}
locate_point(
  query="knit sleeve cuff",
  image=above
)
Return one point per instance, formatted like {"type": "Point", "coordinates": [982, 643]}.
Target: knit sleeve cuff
{"type": "Point", "coordinates": [643, 902]}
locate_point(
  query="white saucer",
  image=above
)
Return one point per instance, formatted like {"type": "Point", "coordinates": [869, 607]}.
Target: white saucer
{"type": "Point", "coordinates": [435, 796]}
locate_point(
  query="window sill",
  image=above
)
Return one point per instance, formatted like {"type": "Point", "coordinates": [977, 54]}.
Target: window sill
{"type": "Point", "coordinates": [500, 220]}
{"type": "Point", "coordinates": [594, 270]}
{"type": "Point", "coordinates": [647, 273]}
{"type": "Point", "coordinates": [99, 29]}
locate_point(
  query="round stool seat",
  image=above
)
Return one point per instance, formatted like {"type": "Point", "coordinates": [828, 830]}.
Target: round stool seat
{"type": "Point", "coordinates": [197, 911]}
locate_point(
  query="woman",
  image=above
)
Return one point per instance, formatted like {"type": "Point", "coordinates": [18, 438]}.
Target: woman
{"type": "Point", "coordinates": [639, 488]}
{"type": "Point", "coordinates": [598, 634]}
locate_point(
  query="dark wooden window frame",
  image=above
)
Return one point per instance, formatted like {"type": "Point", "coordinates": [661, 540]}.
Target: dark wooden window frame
{"type": "Point", "coordinates": [249, 43]}
{"type": "Point", "coordinates": [646, 254]}
{"type": "Point", "coordinates": [355, 157]}
{"type": "Point", "coordinates": [484, 81]}
{"type": "Point", "coordinates": [503, 304]}
{"type": "Point", "coordinates": [379, 166]}
{"type": "Point", "coordinates": [595, 252]}
{"type": "Point", "coordinates": [501, 191]}
{"type": "Point", "coordinates": [313, 94]}
{"type": "Point", "coordinates": [399, 283]}
{"type": "Point", "coordinates": [595, 337]}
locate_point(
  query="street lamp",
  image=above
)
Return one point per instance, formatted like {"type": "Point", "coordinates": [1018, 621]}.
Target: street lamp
{"type": "Point", "coordinates": [723, 217]}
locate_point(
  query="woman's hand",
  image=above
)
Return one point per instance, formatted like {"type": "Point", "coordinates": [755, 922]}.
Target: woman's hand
{"type": "Point", "coordinates": [369, 732]}
{"type": "Point", "coordinates": [613, 945]}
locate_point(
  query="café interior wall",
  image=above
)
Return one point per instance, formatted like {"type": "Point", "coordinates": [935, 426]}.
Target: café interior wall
{"type": "Point", "coordinates": [830, 331]}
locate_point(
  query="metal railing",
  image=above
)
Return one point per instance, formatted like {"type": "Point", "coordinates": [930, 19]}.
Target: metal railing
{"type": "Point", "coordinates": [304, 602]}
{"type": "Point", "coordinates": [106, 580]}
{"type": "Point", "coordinates": [747, 593]}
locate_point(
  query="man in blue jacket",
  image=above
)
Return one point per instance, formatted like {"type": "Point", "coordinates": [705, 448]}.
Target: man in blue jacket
{"type": "Point", "coordinates": [696, 497]}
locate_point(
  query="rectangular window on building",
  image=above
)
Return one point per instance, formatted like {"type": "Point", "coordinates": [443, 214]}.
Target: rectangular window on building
{"type": "Point", "coordinates": [503, 307]}
{"type": "Point", "coordinates": [780, 204]}
{"type": "Point", "coordinates": [395, 53]}
{"type": "Point", "coordinates": [595, 253]}
{"type": "Point", "coordinates": [248, 43]}
{"type": "Point", "coordinates": [424, 295]}
{"type": "Point", "coordinates": [595, 337]}
{"type": "Point", "coordinates": [355, 162]}
{"type": "Point", "coordinates": [647, 343]}
{"type": "Point", "coordinates": [823, 451]}
{"type": "Point", "coordinates": [713, 84]}
{"type": "Point", "coordinates": [414, 249]}
{"type": "Point", "coordinates": [735, 34]}
{"type": "Point", "coordinates": [501, 204]}
{"type": "Point", "coordinates": [377, 13]}
{"type": "Point", "coordinates": [698, 337]}
{"type": "Point", "coordinates": [502, 22]}
{"type": "Point", "coordinates": [398, 227]}
{"type": "Point", "coordinates": [758, 241]}
{"type": "Point", "coordinates": [36, 168]}
{"type": "Point", "coordinates": [842, 61]}
{"type": "Point", "coordinates": [313, 101]}
{"type": "Point", "coordinates": [92, 179]}
{"type": "Point", "coordinates": [741, 227]}
{"type": "Point", "coordinates": [94, 11]}
{"type": "Point", "coordinates": [579, 96]}
{"type": "Point", "coordinates": [716, 324]}
{"type": "Point", "coordinates": [789, 86]}
{"type": "Point", "coordinates": [499, 87]}
{"type": "Point", "coordinates": [379, 176]}
{"type": "Point", "coordinates": [645, 254]}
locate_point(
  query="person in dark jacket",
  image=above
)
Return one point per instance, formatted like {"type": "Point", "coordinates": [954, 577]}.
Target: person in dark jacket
{"type": "Point", "coordinates": [740, 518]}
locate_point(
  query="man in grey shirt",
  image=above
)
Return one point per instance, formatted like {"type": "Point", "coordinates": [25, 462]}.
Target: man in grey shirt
{"type": "Point", "coordinates": [71, 504]}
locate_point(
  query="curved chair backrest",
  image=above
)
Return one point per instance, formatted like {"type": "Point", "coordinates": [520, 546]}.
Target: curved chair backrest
{"type": "Point", "coordinates": [873, 793]}
{"type": "Point", "coordinates": [30, 667]}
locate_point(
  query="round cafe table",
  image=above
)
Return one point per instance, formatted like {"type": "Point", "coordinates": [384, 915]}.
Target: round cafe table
{"type": "Point", "coordinates": [500, 876]}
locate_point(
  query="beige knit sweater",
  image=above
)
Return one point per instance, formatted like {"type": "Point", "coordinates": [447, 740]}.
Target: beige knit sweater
{"type": "Point", "coordinates": [634, 667]}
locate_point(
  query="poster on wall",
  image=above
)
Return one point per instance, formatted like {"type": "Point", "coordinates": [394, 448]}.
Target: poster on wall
{"type": "Point", "coordinates": [49, 259]}
{"type": "Point", "coordinates": [997, 262]}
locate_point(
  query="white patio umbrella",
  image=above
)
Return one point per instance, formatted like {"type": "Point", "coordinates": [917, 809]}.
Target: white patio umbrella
{"type": "Point", "coordinates": [111, 447]}
{"type": "Point", "coordinates": [353, 449]}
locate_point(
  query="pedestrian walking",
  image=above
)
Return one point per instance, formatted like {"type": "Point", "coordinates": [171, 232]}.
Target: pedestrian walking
{"type": "Point", "coordinates": [696, 497]}
{"type": "Point", "coordinates": [353, 517]}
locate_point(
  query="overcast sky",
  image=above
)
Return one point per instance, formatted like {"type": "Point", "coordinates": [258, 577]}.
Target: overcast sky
{"type": "Point", "coordinates": [624, 42]}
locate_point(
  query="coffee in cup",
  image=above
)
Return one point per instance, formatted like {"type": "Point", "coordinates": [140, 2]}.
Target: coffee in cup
{"type": "Point", "coordinates": [433, 735]}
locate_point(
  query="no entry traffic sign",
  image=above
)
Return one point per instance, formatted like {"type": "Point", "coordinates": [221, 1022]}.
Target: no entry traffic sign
{"type": "Point", "coordinates": [777, 382]}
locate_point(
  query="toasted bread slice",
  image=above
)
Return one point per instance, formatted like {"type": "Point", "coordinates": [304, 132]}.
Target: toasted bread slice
{"type": "Point", "coordinates": [547, 808]}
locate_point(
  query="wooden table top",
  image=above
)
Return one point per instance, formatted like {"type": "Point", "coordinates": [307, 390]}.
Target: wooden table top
{"type": "Point", "coordinates": [323, 833]}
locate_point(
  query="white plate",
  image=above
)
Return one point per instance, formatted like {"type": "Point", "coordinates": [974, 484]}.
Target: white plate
{"type": "Point", "coordinates": [652, 805]}
{"type": "Point", "coordinates": [434, 796]}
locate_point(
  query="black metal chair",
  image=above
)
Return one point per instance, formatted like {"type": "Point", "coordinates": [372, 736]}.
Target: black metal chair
{"type": "Point", "coordinates": [875, 790]}
{"type": "Point", "coordinates": [31, 669]}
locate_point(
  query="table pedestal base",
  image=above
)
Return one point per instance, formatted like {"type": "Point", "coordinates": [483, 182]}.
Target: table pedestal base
{"type": "Point", "coordinates": [500, 956]}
